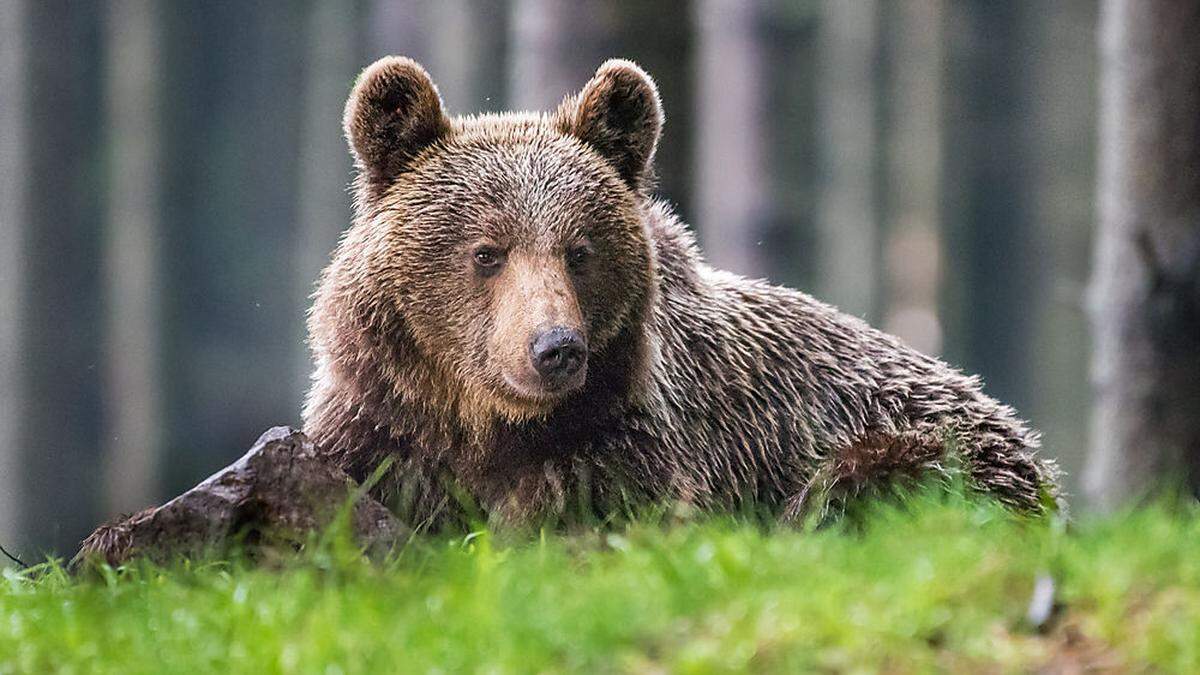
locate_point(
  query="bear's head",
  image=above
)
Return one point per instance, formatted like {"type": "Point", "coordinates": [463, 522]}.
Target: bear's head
{"type": "Point", "coordinates": [495, 261]}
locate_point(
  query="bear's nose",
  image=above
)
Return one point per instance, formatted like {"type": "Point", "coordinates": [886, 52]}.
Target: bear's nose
{"type": "Point", "coordinates": [557, 354]}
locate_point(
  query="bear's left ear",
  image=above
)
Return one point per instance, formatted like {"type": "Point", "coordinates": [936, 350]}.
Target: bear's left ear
{"type": "Point", "coordinates": [619, 114]}
{"type": "Point", "coordinates": [393, 113]}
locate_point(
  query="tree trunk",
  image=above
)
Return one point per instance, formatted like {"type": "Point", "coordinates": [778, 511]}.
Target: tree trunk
{"type": "Point", "coordinates": [466, 58]}
{"type": "Point", "coordinates": [61, 353]}
{"type": "Point", "coordinates": [847, 232]}
{"type": "Point", "coordinates": [324, 201]}
{"type": "Point", "coordinates": [1145, 295]}
{"type": "Point", "coordinates": [460, 42]}
{"type": "Point", "coordinates": [394, 27]}
{"type": "Point", "coordinates": [13, 172]}
{"type": "Point", "coordinates": [233, 107]}
{"type": "Point", "coordinates": [133, 384]}
{"type": "Point", "coordinates": [731, 179]}
{"type": "Point", "coordinates": [790, 42]}
{"type": "Point", "coordinates": [1063, 170]}
{"type": "Point", "coordinates": [992, 267]}
{"type": "Point", "coordinates": [912, 172]}
{"type": "Point", "coordinates": [556, 45]}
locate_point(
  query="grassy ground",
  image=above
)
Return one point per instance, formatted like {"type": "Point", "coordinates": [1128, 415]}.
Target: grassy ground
{"type": "Point", "coordinates": [942, 584]}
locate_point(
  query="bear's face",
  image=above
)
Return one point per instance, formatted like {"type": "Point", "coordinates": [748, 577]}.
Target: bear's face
{"type": "Point", "coordinates": [524, 258]}
{"type": "Point", "coordinates": [513, 246]}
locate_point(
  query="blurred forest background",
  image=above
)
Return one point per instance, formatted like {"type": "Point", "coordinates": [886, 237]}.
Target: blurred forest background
{"type": "Point", "coordinates": [174, 178]}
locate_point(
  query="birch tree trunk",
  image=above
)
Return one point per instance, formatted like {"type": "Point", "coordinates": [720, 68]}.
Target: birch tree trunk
{"type": "Point", "coordinates": [913, 248]}
{"type": "Point", "coordinates": [1063, 179]}
{"type": "Point", "coordinates": [13, 171]}
{"type": "Point", "coordinates": [394, 27]}
{"type": "Point", "coordinates": [1145, 295]}
{"type": "Point", "coordinates": [462, 43]}
{"type": "Point", "coordinates": [731, 181]}
{"type": "Point", "coordinates": [555, 47]}
{"type": "Point", "coordinates": [847, 231]}
{"type": "Point", "coordinates": [133, 381]}
{"type": "Point", "coordinates": [467, 57]}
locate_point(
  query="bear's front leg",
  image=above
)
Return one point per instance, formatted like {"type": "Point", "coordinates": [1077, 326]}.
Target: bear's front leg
{"type": "Point", "coordinates": [994, 462]}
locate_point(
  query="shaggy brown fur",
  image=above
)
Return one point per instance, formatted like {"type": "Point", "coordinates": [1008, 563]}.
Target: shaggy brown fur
{"type": "Point", "coordinates": [472, 234]}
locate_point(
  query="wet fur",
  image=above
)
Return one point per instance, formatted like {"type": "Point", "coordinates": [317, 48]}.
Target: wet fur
{"type": "Point", "coordinates": [702, 386]}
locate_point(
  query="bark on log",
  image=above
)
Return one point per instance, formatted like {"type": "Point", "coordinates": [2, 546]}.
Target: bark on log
{"type": "Point", "coordinates": [278, 491]}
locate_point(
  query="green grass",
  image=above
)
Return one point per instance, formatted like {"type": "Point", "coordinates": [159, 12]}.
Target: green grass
{"type": "Point", "coordinates": [942, 584]}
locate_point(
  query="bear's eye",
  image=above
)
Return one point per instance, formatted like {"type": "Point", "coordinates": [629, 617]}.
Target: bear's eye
{"type": "Point", "coordinates": [487, 259]}
{"type": "Point", "coordinates": [577, 255]}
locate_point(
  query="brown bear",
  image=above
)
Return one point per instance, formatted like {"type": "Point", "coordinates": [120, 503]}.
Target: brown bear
{"type": "Point", "coordinates": [518, 326]}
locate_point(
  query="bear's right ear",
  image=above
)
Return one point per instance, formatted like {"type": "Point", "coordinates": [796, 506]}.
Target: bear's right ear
{"type": "Point", "coordinates": [619, 114]}
{"type": "Point", "coordinates": [392, 114]}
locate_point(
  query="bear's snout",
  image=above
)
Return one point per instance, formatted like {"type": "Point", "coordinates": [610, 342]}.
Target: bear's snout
{"type": "Point", "coordinates": [558, 355]}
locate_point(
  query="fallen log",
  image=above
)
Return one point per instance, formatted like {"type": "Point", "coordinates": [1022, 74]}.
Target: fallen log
{"type": "Point", "coordinates": [280, 490]}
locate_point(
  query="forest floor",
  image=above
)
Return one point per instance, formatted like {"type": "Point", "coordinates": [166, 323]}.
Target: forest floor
{"type": "Point", "coordinates": [939, 584]}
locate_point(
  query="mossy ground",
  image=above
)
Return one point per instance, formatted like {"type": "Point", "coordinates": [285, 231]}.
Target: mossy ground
{"type": "Point", "coordinates": [935, 584]}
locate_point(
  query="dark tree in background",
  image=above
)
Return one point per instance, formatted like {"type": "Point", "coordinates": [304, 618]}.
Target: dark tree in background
{"type": "Point", "coordinates": [59, 354]}
{"type": "Point", "coordinates": [332, 60]}
{"type": "Point", "coordinates": [991, 265]}
{"type": "Point", "coordinates": [233, 89]}
{"type": "Point", "coordinates": [12, 222]}
{"type": "Point", "coordinates": [1146, 288]}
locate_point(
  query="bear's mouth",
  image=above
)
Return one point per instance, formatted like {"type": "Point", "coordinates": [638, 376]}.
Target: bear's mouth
{"type": "Point", "coordinates": [539, 394]}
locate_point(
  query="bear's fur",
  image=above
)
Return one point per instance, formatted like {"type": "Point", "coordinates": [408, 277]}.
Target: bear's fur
{"type": "Point", "coordinates": [474, 234]}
